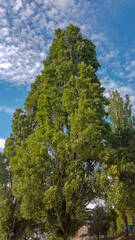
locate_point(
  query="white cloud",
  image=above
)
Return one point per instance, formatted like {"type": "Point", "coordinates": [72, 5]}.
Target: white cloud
{"type": "Point", "coordinates": [26, 37]}
{"type": "Point", "coordinates": [4, 22]}
{"type": "Point", "coordinates": [24, 42]}
{"type": "Point", "coordinates": [131, 75]}
{"type": "Point", "coordinates": [4, 31]}
{"type": "Point", "coordinates": [33, 5]}
{"type": "Point", "coordinates": [125, 90]}
{"type": "Point", "coordinates": [112, 85]}
{"type": "Point", "coordinates": [132, 98]}
{"type": "Point", "coordinates": [59, 4]}
{"type": "Point", "coordinates": [130, 65]}
{"type": "Point", "coordinates": [2, 12]}
{"type": "Point", "coordinates": [20, 64]}
{"type": "Point", "coordinates": [133, 63]}
{"type": "Point", "coordinates": [109, 84]}
{"type": "Point", "coordinates": [63, 4]}
{"type": "Point", "coordinates": [8, 110]}
{"type": "Point", "coordinates": [5, 65]}
{"type": "Point", "coordinates": [52, 12]}
{"type": "Point", "coordinates": [99, 37]}
{"type": "Point", "coordinates": [2, 143]}
{"type": "Point", "coordinates": [17, 6]}
{"type": "Point", "coordinates": [121, 74]}
{"type": "Point", "coordinates": [27, 12]}
{"type": "Point", "coordinates": [110, 55]}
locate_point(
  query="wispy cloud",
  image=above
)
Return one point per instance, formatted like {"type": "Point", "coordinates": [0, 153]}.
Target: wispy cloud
{"type": "Point", "coordinates": [28, 33]}
{"type": "Point", "coordinates": [24, 41]}
{"type": "Point", "coordinates": [5, 65]}
{"type": "Point", "coordinates": [17, 6]}
{"type": "Point", "coordinates": [26, 37]}
{"type": "Point", "coordinates": [2, 143]}
{"type": "Point", "coordinates": [8, 110]}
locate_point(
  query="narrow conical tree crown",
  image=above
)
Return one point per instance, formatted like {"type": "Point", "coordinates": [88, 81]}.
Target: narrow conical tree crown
{"type": "Point", "coordinates": [53, 169]}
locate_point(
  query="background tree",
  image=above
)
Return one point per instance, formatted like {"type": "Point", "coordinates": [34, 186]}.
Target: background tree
{"type": "Point", "coordinates": [12, 225]}
{"type": "Point", "coordinates": [120, 167]}
{"type": "Point", "coordinates": [17, 227]}
{"type": "Point", "coordinates": [99, 220]}
{"type": "Point", "coordinates": [21, 129]}
{"type": "Point", "coordinates": [54, 162]}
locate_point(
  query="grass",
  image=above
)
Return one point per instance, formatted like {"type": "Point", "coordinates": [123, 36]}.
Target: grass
{"type": "Point", "coordinates": [131, 237]}
{"type": "Point", "coordinates": [126, 238]}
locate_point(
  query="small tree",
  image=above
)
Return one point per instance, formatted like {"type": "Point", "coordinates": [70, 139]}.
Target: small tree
{"type": "Point", "coordinates": [99, 220]}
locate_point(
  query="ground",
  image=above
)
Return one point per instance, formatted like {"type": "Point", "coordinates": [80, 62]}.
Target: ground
{"type": "Point", "coordinates": [126, 238]}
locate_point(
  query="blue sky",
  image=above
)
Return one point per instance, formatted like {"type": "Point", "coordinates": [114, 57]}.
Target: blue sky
{"type": "Point", "coordinates": [26, 32]}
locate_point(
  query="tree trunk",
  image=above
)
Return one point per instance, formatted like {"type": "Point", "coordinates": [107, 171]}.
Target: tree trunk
{"type": "Point", "coordinates": [105, 235]}
{"type": "Point", "coordinates": [125, 225]}
{"type": "Point", "coordinates": [133, 223]}
{"type": "Point", "coordinates": [98, 236]}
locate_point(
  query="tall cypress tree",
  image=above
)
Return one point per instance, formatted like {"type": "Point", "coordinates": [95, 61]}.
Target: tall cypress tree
{"type": "Point", "coordinates": [53, 169]}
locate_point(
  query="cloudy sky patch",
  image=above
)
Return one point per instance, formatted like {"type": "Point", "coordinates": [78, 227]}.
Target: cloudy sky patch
{"type": "Point", "coordinates": [27, 30]}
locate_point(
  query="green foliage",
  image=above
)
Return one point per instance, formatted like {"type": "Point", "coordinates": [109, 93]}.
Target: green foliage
{"type": "Point", "coordinates": [119, 220]}
{"type": "Point", "coordinates": [21, 129]}
{"type": "Point", "coordinates": [123, 154]}
{"type": "Point", "coordinates": [70, 46]}
{"type": "Point", "coordinates": [118, 172]}
{"type": "Point", "coordinates": [120, 111]}
{"type": "Point", "coordinates": [31, 103]}
{"type": "Point", "coordinates": [12, 225]}
{"type": "Point", "coordinates": [5, 195]}
{"type": "Point", "coordinates": [61, 137]}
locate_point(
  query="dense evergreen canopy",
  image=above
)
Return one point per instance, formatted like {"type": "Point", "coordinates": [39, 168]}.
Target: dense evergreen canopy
{"type": "Point", "coordinates": [57, 142]}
